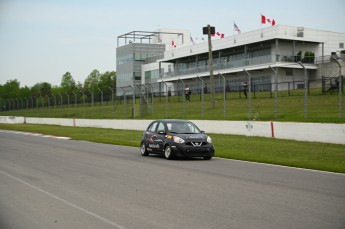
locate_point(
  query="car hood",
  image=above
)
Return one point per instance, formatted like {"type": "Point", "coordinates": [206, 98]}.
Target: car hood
{"type": "Point", "coordinates": [193, 137]}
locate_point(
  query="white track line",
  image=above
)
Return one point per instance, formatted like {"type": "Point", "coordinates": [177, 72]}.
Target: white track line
{"type": "Point", "coordinates": [65, 201]}
{"type": "Point", "coordinates": [33, 134]}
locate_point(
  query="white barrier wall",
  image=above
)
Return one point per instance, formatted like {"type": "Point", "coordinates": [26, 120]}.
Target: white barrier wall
{"type": "Point", "coordinates": [314, 132]}
{"type": "Point", "coordinates": [11, 119]}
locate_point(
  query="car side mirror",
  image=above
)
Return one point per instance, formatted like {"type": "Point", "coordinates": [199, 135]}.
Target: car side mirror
{"type": "Point", "coordinates": [203, 132]}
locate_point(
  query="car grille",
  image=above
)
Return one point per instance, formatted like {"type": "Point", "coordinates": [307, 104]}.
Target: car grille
{"type": "Point", "coordinates": [196, 143]}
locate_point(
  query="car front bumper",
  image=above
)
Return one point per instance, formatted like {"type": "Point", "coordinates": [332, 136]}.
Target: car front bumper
{"type": "Point", "coordinates": [193, 151]}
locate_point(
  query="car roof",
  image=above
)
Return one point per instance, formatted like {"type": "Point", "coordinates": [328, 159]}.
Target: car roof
{"type": "Point", "coordinates": [172, 120]}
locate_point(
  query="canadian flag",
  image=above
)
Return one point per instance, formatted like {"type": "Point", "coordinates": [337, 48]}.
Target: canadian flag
{"type": "Point", "coordinates": [264, 20]}
{"type": "Point", "coordinates": [221, 35]}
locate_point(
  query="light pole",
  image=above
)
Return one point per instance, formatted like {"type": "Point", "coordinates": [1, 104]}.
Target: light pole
{"type": "Point", "coordinates": [209, 30]}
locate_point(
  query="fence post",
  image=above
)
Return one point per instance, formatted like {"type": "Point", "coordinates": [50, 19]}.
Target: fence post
{"type": "Point", "coordinates": [61, 100]}
{"type": "Point", "coordinates": [340, 88]}
{"type": "Point", "coordinates": [32, 103]}
{"type": "Point", "coordinates": [27, 103]}
{"type": "Point", "coordinates": [48, 100]}
{"type": "Point", "coordinates": [305, 90]}
{"type": "Point", "coordinates": [101, 102]}
{"type": "Point", "coordinates": [91, 97]}
{"type": "Point", "coordinates": [224, 99]}
{"type": "Point", "coordinates": [133, 106]}
{"type": "Point", "coordinates": [42, 102]}
{"type": "Point", "coordinates": [83, 101]}
{"type": "Point", "coordinates": [54, 100]}
{"type": "Point", "coordinates": [152, 98]}
{"type": "Point", "coordinates": [140, 101]}
{"type": "Point", "coordinates": [75, 99]}
{"type": "Point", "coordinates": [249, 94]}
{"type": "Point", "coordinates": [124, 102]}
{"type": "Point", "coordinates": [202, 95]}
{"type": "Point", "coordinates": [166, 99]}
{"type": "Point", "coordinates": [275, 92]}
{"type": "Point", "coordinates": [112, 101]}
{"type": "Point", "coordinates": [67, 104]}
{"type": "Point", "coordinates": [184, 98]}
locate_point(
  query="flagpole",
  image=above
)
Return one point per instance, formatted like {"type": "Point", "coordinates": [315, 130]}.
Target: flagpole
{"type": "Point", "coordinates": [233, 28]}
{"type": "Point", "coordinates": [261, 25]}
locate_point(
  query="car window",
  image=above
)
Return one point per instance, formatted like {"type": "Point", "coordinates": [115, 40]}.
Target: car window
{"type": "Point", "coordinates": [161, 127]}
{"type": "Point", "coordinates": [152, 127]}
{"type": "Point", "coordinates": [182, 128]}
{"type": "Point", "coordinates": [192, 128]}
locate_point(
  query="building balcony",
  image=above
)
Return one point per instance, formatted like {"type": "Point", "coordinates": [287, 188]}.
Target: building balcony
{"type": "Point", "coordinates": [182, 69]}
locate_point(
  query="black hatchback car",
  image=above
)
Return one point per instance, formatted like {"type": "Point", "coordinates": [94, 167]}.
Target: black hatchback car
{"type": "Point", "coordinates": [176, 138]}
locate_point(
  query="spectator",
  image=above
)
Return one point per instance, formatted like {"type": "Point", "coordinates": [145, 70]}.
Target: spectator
{"type": "Point", "coordinates": [187, 93]}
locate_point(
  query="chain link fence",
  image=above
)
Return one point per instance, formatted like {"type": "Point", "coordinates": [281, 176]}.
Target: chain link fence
{"type": "Point", "coordinates": [318, 100]}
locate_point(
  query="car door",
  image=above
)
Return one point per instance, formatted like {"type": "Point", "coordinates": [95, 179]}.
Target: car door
{"type": "Point", "coordinates": [153, 139]}
{"type": "Point", "coordinates": [160, 136]}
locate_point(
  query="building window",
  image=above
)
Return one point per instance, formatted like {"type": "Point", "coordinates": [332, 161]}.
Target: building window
{"type": "Point", "coordinates": [341, 45]}
{"type": "Point", "coordinates": [289, 72]}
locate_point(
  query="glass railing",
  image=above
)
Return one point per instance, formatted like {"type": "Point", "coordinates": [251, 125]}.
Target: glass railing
{"type": "Point", "coordinates": [220, 65]}
{"type": "Point", "coordinates": [238, 63]}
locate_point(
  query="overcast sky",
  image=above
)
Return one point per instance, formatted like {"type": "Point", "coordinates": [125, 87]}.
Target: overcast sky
{"type": "Point", "coordinates": [41, 40]}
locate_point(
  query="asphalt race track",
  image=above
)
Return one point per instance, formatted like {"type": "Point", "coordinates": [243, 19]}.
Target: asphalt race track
{"type": "Point", "coordinates": [55, 183]}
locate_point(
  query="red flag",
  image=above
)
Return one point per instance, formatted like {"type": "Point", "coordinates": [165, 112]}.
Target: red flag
{"type": "Point", "coordinates": [173, 44]}
{"type": "Point", "coordinates": [264, 20]}
{"type": "Point", "coordinates": [221, 35]}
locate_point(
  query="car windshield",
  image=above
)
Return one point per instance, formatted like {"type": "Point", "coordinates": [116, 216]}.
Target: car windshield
{"type": "Point", "coordinates": [182, 128]}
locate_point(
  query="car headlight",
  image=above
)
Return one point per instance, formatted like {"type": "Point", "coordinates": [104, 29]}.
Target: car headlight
{"type": "Point", "coordinates": [178, 139]}
{"type": "Point", "coordinates": [209, 140]}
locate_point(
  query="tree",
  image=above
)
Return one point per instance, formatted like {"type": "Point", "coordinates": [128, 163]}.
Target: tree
{"type": "Point", "coordinates": [41, 89]}
{"type": "Point", "coordinates": [11, 89]}
{"type": "Point", "coordinates": [107, 80]}
{"type": "Point", "coordinates": [25, 92]}
{"type": "Point", "coordinates": [91, 82]}
{"type": "Point", "coordinates": [67, 83]}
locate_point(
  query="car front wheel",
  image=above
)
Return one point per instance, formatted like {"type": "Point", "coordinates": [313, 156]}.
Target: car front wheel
{"type": "Point", "coordinates": [168, 153]}
{"type": "Point", "coordinates": [143, 150]}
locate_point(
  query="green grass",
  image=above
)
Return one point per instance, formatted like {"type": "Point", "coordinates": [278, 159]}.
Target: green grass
{"type": "Point", "coordinates": [318, 156]}
{"type": "Point", "coordinates": [321, 108]}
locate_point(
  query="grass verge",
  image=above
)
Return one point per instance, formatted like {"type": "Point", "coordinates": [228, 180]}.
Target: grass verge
{"type": "Point", "coordinates": [310, 155]}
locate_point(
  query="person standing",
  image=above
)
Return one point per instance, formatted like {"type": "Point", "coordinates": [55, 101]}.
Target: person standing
{"type": "Point", "coordinates": [187, 93]}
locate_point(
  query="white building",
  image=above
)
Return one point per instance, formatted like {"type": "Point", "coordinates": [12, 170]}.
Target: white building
{"type": "Point", "coordinates": [176, 59]}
